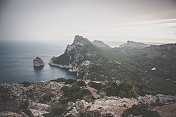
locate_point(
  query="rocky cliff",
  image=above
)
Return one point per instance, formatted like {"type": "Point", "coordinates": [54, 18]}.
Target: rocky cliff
{"type": "Point", "coordinates": [81, 53]}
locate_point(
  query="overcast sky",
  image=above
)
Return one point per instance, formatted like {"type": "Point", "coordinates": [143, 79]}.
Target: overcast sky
{"type": "Point", "coordinates": [107, 20]}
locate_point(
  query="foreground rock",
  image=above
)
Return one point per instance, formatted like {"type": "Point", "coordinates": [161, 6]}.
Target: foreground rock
{"type": "Point", "coordinates": [38, 62]}
{"type": "Point", "coordinates": [115, 106]}
{"type": "Point", "coordinates": [33, 99]}
{"type": "Point", "coordinates": [28, 98]}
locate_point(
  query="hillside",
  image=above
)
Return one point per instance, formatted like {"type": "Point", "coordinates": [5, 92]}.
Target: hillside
{"type": "Point", "coordinates": [153, 65]}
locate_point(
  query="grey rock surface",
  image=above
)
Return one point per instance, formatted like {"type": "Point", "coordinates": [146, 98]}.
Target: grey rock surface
{"type": "Point", "coordinates": [38, 62]}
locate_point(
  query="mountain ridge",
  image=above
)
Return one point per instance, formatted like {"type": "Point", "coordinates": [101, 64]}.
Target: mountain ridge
{"type": "Point", "coordinates": [90, 62]}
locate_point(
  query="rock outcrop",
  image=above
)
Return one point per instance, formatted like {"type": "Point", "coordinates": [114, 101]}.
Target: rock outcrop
{"type": "Point", "coordinates": [38, 62]}
{"type": "Point", "coordinates": [75, 55]}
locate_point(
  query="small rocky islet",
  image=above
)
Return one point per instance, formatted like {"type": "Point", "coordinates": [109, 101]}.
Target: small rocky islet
{"type": "Point", "coordinates": [38, 62]}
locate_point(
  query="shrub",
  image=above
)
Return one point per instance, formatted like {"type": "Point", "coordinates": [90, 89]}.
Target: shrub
{"type": "Point", "coordinates": [80, 83]}
{"type": "Point", "coordinates": [56, 110]}
{"type": "Point", "coordinates": [112, 89]}
{"type": "Point", "coordinates": [127, 89]}
{"type": "Point", "coordinates": [66, 81]}
{"type": "Point", "coordinates": [97, 86]}
{"type": "Point", "coordinates": [74, 92]}
{"type": "Point", "coordinates": [26, 83]}
{"type": "Point", "coordinates": [137, 110]}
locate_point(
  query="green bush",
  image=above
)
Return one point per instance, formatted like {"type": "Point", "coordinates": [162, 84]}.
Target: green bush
{"type": "Point", "coordinates": [66, 81]}
{"type": "Point", "coordinates": [97, 86]}
{"type": "Point", "coordinates": [125, 89]}
{"type": "Point", "coordinates": [74, 92]}
{"type": "Point", "coordinates": [80, 83]}
{"type": "Point", "coordinates": [112, 89]}
{"type": "Point", "coordinates": [56, 110]}
{"type": "Point", "coordinates": [137, 110]}
{"type": "Point", "coordinates": [26, 83]}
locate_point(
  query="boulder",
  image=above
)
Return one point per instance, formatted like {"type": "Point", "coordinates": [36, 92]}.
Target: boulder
{"type": "Point", "coordinates": [38, 62]}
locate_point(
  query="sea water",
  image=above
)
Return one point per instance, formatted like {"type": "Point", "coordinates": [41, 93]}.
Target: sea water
{"type": "Point", "coordinates": [16, 61]}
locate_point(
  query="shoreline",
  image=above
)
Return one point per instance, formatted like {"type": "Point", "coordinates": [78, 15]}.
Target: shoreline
{"type": "Point", "coordinates": [68, 67]}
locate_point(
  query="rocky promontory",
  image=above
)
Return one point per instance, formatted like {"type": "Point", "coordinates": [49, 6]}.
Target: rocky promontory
{"type": "Point", "coordinates": [38, 62]}
{"type": "Point", "coordinates": [131, 61]}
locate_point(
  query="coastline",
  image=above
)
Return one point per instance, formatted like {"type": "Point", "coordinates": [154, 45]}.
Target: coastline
{"type": "Point", "coordinates": [68, 67]}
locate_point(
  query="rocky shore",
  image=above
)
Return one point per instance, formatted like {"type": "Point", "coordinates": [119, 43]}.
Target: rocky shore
{"type": "Point", "coordinates": [69, 67]}
{"type": "Point", "coordinates": [29, 99]}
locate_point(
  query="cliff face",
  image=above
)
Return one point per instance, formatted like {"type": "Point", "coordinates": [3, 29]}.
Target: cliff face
{"type": "Point", "coordinates": [79, 54]}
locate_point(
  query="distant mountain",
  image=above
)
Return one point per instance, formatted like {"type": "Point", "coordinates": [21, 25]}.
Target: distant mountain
{"type": "Point", "coordinates": [132, 44]}
{"type": "Point", "coordinates": [114, 43]}
{"type": "Point", "coordinates": [154, 65]}
{"type": "Point", "coordinates": [100, 44]}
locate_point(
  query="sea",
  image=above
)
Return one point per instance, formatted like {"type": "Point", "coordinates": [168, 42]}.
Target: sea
{"type": "Point", "coordinates": [16, 61]}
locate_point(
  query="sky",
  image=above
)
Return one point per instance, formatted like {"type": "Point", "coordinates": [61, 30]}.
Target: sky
{"type": "Point", "coordinates": [106, 20]}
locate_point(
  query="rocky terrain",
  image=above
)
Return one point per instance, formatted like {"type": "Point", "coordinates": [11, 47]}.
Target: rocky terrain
{"type": "Point", "coordinates": [30, 99]}
{"type": "Point", "coordinates": [133, 80]}
{"type": "Point", "coordinates": [27, 99]}
{"type": "Point", "coordinates": [38, 62]}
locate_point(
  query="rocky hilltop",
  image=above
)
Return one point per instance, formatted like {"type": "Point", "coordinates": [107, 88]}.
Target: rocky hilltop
{"type": "Point", "coordinates": [132, 61]}
{"type": "Point", "coordinates": [65, 98]}
{"type": "Point", "coordinates": [74, 55]}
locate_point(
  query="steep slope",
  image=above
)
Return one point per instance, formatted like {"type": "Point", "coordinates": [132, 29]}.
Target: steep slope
{"type": "Point", "coordinates": [79, 54]}
{"type": "Point", "coordinates": [153, 65]}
